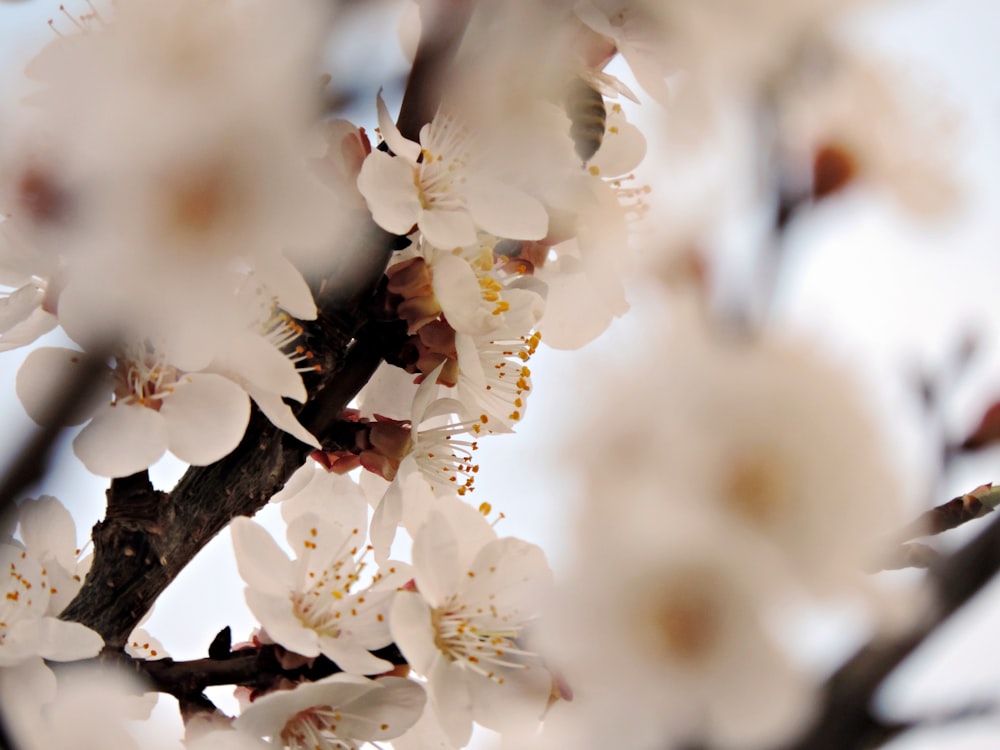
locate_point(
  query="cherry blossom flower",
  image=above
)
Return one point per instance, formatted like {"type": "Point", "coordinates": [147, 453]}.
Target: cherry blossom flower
{"type": "Point", "coordinates": [199, 417]}
{"type": "Point", "coordinates": [440, 186]}
{"type": "Point", "coordinates": [494, 379]}
{"type": "Point", "coordinates": [49, 535]}
{"type": "Point", "coordinates": [26, 631]}
{"type": "Point", "coordinates": [318, 602]}
{"type": "Point", "coordinates": [341, 712]}
{"type": "Point", "coordinates": [462, 627]}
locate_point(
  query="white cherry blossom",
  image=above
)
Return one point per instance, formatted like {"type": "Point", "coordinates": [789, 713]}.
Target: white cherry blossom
{"type": "Point", "coordinates": [341, 712]}
{"type": "Point", "coordinates": [319, 602]}
{"type": "Point", "coordinates": [49, 535]}
{"type": "Point", "coordinates": [442, 186]}
{"type": "Point", "coordinates": [463, 627]}
{"type": "Point", "coordinates": [26, 631]}
{"type": "Point", "coordinates": [199, 417]}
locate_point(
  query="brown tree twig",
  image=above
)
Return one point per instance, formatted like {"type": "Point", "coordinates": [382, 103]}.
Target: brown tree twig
{"type": "Point", "coordinates": [952, 514]}
{"type": "Point", "coordinates": [137, 554]}
{"type": "Point", "coordinates": [259, 668]}
{"type": "Point", "coordinates": [847, 718]}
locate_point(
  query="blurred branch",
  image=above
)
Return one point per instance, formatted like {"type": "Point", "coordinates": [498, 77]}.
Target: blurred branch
{"type": "Point", "coordinates": [890, 730]}
{"type": "Point", "coordinates": [911, 555]}
{"type": "Point", "coordinates": [443, 25]}
{"type": "Point", "coordinates": [846, 718]}
{"type": "Point", "coordinates": [953, 513]}
{"type": "Point", "coordinates": [31, 464]}
{"type": "Point", "coordinates": [134, 561]}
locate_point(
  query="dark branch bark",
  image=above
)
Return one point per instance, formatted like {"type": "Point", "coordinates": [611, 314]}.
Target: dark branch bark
{"type": "Point", "coordinates": [257, 668]}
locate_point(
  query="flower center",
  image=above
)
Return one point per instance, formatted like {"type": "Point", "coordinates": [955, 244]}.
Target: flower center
{"type": "Point", "coordinates": [315, 729]}
{"type": "Point", "coordinates": [471, 638]}
{"type": "Point", "coordinates": [757, 488]}
{"type": "Point", "coordinates": [685, 618]}
{"type": "Point", "coordinates": [143, 377]}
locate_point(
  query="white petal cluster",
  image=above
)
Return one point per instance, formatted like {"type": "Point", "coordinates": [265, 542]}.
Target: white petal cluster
{"type": "Point", "coordinates": [717, 498]}
{"type": "Point", "coordinates": [140, 206]}
{"type": "Point", "coordinates": [322, 602]}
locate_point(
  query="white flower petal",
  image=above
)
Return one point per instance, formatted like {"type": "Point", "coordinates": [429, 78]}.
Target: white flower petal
{"type": "Point", "coordinates": [64, 641]}
{"type": "Point", "coordinates": [276, 617]}
{"type": "Point", "coordinates": [622, 149]}
{"type": "Point", "coordinates": [334, 497]}
{"type": "Point", "coordinates": [386, 712]}
{"type": "Point", "coordinates": [506, 211]}
{"type": "Point", "coordinates": [48, 531]}
{"type": "Point", "coordinates": [460, 296]}
{"type": "Point", "coordinates": [413, 631]}
{"type": "Point", "coordinates": [352, 657]}
{"type": "Point", "coordinates": [517, 704]}
{"type": "Point", "coordinates": [514, 575]}
{"type": "Point", "coordinates": [386, 182]}
{"type": "Point", "coordinates": [448, 229]}
{"type": "Point", "coordinates": [249, 358]}
{"type": "Point", "coordinates": [206, 417]}
{"type": "Point", "coordinates": [122, 440]}
{"type": "Point", "coordinates": [262, 564]}
{"type": "Point", "coordinates": [577, 310]}
{"type": "Point", "coordinates": [435, 556]}
{"type": "Point", "coordinates": [281, 416]}
{"type": "Point", "coordinates": [18, 306]}
{"type": "Point", "coordinates": [449, 688]}
{"type": "Point", "coordinates": [37, 324]}
{"type": "Point", "coordinates": [286, 282]}
{"type": "Point", "coordinates": [43, 374]}
{"type": "Point", "coordinates": [296, 483]}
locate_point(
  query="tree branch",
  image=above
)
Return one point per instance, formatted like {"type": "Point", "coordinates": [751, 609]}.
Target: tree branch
{"type": "Point", "coordinates": [847, 717]}
{"type": "Point", "coordinates": [954, 513]}
{"type": "Point", "coordinates": [259, 668]}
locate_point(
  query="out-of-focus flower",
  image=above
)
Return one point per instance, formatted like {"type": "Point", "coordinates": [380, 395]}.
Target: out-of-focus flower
{"type": "Point", "coordinates": [855, 124]}
{"type": "Point", "coordinates": [684, 655]}
{"type": "Point", "coordinates": [90, 709]}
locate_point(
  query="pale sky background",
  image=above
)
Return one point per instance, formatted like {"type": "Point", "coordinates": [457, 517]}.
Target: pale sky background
{"type": "Point", "coordinates": [877, 290]}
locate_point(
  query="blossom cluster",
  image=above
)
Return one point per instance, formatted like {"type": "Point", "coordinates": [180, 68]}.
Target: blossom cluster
{"type": "Point", "coordinates": [175, 199]}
